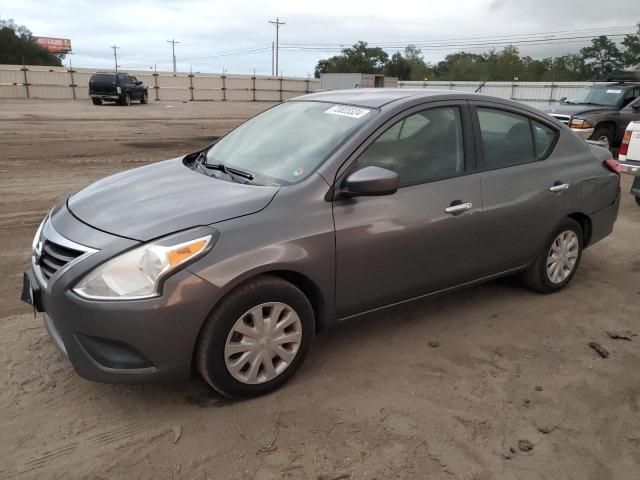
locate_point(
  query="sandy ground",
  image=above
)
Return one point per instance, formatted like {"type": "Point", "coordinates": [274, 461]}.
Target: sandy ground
{"type": "Point", "coordinates": [512, 369]}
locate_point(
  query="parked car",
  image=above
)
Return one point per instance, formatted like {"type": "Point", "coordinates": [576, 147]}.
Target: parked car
{"type": "Point", "coordinates": [629, 156]}
{"type": "Point", "coordinates": [116, 87]}
{"type": "Point", "coordinates": [601, 112]}
{"type": "Point", "coordinates": [320, 209]}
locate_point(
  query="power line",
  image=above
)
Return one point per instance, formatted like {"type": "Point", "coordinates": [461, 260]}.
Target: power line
{"type": "Point", "coordinates": [277, 23]}
{"type": "Point", "coordinates": [442, 46]}
{"type": "Point", "coordinates": [173, 52]}
{"type": "Point", "coordinates": [600, 31]}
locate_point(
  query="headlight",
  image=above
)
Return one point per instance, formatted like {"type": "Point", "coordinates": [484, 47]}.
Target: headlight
{"type": "Point", "coordinates": [138, 273]}
{"type": "Point", "coordinates": [579, 123]}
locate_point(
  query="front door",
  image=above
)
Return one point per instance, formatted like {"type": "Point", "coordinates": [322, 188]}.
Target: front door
{"type": "Point", "coordinates": [422, 238]}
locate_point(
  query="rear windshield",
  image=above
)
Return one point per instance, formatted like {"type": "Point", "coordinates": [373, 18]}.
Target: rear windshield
{"type": "Point", "coordinates": [103, 80]}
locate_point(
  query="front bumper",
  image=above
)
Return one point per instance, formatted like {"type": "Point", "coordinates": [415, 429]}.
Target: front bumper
{"type": "Point", "coordinates": [584, 133]}
{"type": "Point", "coordinates": [123, 341]}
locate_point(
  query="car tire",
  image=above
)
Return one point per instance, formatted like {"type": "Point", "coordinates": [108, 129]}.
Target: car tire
{"type": "Point", "coordinates": [603, 134]}
{"type": "Point", "coordinates": [96, 101]}
{"type": "Point", "coordinates": [541, 275]}
{"type": "Point", "coordinates": [637, 200]}
{"type": "Point", "coordinates": [145, 98]}
{"type": "Point", "coordinates": [126, 100]}
{"type": "Point", "coordinates": [246, 317]}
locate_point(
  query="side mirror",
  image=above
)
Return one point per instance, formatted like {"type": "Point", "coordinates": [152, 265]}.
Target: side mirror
{"type": "Point", "coordinates": [371, 181]}
{"type": "Point", "coordinates": [635, 107]}
{"type": "Point", "coordinates": [563, 99]}
{"type": "Point", "coordinates": [138, 82]}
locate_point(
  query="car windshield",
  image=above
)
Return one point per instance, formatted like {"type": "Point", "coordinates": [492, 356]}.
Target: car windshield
{"type": "Point", "coordinates": [606, 95]}
{"type": "Point", "coordinates": [288, 142]}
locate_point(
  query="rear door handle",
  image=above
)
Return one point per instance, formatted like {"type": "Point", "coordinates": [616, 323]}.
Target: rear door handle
{"type": "Point", "coordinates": [558, 187]}
{"type": "Point", "coordinates": [460, 207]}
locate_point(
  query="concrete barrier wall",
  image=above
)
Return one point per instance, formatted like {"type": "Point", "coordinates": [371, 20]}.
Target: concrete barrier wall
{"type": "Point", "coordinates": [536, 94]}
{"type": "Point", "coordinates": [33, 81]}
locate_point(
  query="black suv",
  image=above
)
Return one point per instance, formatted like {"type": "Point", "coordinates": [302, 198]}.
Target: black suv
{"type": "Point", "coordinates": [116, 87]}
{"type": "Point", "coordinates": [601, 112]}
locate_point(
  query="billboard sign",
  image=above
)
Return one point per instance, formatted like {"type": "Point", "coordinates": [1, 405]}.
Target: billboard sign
{"type": "Point", "coordinates": [54, 45]}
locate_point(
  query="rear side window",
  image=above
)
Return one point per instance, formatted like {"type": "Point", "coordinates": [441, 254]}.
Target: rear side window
{"type": "Point", "coordinates": [543, 137]}
{"type": "Point", "coordinates": [512, 139]}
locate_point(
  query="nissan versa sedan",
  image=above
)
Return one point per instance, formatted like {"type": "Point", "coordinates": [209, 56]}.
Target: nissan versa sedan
{"type": "Point", "coordinates": [323, 208]}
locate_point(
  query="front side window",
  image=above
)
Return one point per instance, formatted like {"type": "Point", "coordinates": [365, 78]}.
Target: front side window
{"type": "Point", "coordinates": [422, 147]}
{"type": "Point", "coordinates": [286, 143]}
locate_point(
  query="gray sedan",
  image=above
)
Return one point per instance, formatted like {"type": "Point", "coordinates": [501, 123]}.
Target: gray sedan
{"type": "Point", "coordinates": [319, 209]}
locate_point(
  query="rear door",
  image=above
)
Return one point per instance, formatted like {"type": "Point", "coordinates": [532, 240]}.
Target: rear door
{"type": "Point", "coordinates": [395, 247]}
{"type": "Point", "coordinates": [526, 189]}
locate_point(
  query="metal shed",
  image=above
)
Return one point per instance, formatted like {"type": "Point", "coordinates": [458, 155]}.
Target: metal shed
{"type": "Point", "coordinates": [340, 81]}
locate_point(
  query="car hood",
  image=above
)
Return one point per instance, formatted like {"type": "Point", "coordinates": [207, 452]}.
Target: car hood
{"type": "Point", "coordinates": [570, 109]}
{"type": "Point", "coordinates": [155, 200]}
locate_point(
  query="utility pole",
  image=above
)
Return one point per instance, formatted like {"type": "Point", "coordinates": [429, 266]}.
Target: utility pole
{"type": "Point", "coordinates": [115, 55]}
{"type": "Point", "coordinates": [173, 52]}
{"type": "Point", "coordinates": [273, 50]}
{"type": "Point", "coordinates": [277, 23]}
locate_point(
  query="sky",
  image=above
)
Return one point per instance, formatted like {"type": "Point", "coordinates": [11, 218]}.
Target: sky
{"type": "Point", "coordinates": [235, 36]}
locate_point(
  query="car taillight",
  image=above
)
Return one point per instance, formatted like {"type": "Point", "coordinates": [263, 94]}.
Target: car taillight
{"type": "Point", "coordinates": [624, 146]}
{"type": "Point", "coordinates": [612, 165]}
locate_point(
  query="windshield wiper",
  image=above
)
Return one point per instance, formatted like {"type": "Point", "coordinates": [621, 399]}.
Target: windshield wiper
{"type": "Point", "coordinates": [228, 170]}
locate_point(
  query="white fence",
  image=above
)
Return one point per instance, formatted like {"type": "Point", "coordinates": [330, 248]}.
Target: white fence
{"type": "Point", "coordinates": [537, 94]}
{"type": "Point", "coordinates": [17, 81]}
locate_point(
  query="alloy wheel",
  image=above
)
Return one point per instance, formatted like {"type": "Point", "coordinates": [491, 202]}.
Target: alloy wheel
{"type": "Point", "coordinates": [562, 256]}
{"type": "Point", "coordinates": [263, 342]}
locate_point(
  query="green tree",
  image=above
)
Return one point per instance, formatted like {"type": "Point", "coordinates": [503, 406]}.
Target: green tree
{"type": "Point", "coordinates": [603, 56]}
{"type": "Point", "coordinates": [631, 53]}
{"type": "Point", "coordinates": [398, 67]}
{"type": "Point", "coordinates": [17, 46]}
{"type": "Point", "coordinates": [419, 70]}
{"type": "Point", "coordinates": [360, 58]}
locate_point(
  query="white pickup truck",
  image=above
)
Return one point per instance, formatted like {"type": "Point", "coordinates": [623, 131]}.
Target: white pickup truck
{"type": "Point", "coordinates": [629, 156]}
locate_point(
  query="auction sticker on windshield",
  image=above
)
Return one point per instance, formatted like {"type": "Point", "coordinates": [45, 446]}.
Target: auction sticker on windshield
{"type": "Point", "coordinates": [614, 91]}
{"type": "Point", "coordinates": [346, 111]}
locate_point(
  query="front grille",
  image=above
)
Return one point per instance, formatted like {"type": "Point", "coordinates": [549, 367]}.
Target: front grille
{"type": "Point", "coordinates": [54, 257]}
{"type": "Point", "coordinates": [563, 118]}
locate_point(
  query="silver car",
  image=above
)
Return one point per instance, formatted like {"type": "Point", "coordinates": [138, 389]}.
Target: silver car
{"type": "Point", "coordinates": [319, 209]}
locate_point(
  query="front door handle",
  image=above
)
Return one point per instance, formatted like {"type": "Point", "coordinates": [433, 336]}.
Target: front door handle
{"type": "Point", "coordinates": [460, 207]}
{"type": "Point", "coordinates": [558, 187]}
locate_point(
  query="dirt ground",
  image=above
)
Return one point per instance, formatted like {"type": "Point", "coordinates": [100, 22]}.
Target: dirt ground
{"type": "Point", "coordinates": [511, 390]}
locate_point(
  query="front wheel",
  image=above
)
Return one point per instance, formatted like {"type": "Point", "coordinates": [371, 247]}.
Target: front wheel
{"type": "Point", "coordinates": [637, 200]}
{"type": "Point", "coordinates": [96, 101]}
{"type": "Point", "coordinates": [256, 338]}
{"type": "Point", "coordinates": [604, 135]}
{"type": "Point", "coordinates": [556, 265]}
{"type": "Point", "coordinates": [145, 98]}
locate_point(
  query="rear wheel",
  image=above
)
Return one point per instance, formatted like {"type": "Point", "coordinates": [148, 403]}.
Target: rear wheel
{"type": "Point", "coordinates": [638, 200]}
{"type": "Point", "coordinates": [96, 101]}
{"type": "Point", "coordinates": [556, 265]}
{"type": "Point", "coordinates": [126, 100]}
{"type": "Point", "coordinates": [145, 98]}
{"type": "Point", "coordinates": [256, 338]}
{"type": "Point", "coordinates": [603, 134]}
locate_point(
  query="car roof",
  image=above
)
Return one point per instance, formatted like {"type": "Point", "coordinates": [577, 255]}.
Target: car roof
{"type": "Point", "coordinates": [374, 97]}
